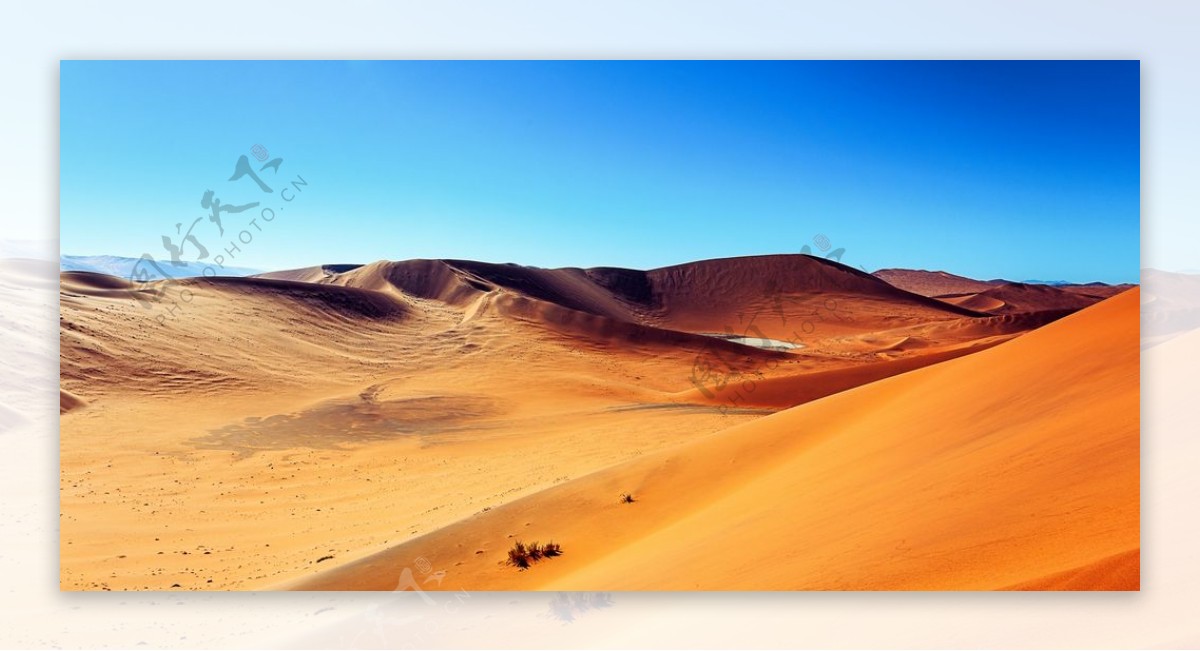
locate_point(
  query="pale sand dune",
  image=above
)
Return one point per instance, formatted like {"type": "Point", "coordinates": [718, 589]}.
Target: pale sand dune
{"type": "Point", "coordinates": [338, 411]}
{"type": "Point", "coordinates": [1170, 305]}
{"type": "Point", "coordinates": [26, 305]}
{"type": "Point", "coordinates": [320, 273]}
{"type": "Point", "coordinates": [1008, 466]}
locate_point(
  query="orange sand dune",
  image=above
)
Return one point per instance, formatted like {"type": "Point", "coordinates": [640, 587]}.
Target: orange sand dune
{"type": "Point", "coordinates": [932, 283]}
{"type": "Point", "coordinates": [1011, 298]}
{"type": "Point", "coordinates": [782, 291]}
{"type": "Point", "coordinates": [981, 302]}
{"type": "Point", "coordinates": [997, 469]}
{"type": "Point", "coordinates": [960, 289]}
{"type": "Point", "coordinates": [1097, 290]}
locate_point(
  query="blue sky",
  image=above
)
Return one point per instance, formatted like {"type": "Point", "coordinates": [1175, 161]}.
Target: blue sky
{"type": "Point", "coordinates": [1020, 170]}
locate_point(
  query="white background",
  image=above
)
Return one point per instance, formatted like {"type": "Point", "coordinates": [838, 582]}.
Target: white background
{"type": "Point", "coordinates": [34, 37]}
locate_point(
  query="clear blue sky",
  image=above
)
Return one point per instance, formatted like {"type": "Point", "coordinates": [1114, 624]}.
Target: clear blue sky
{"type": "Point", "coordinates": [1021, 170]}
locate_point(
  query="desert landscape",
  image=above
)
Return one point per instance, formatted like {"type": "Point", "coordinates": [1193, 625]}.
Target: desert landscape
{"type": "Point", "coordinates": [775, 422]}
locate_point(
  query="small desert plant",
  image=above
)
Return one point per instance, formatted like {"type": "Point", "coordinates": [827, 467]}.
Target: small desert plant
{"type": "Point", "coordinates": [535, 551]}
{"type": "Point", "coordinates": [519, 555]}
{"type": "Point", "coordinates": [626, 498]}
{"type": "Point", "coordinates": [522, 555]}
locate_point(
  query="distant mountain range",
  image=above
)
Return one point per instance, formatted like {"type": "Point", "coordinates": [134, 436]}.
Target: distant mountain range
{"type": "Point", "coordinates": [123, 267]}
{"type": "Point", "coordinates": [1056, 283]}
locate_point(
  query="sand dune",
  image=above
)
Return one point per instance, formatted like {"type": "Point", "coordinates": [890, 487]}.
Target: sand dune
{"type": "Point", "coordinates": [999, 296]}
{"type": "Point", "coordinates": [1097, 290]}
{"type": "Point", "coordinates": [981, 301]}
{"type": "Point", "coordinates": [309, 274]}
{"type": "Point", "coordinates": [1012, 298]}
{"type": "Point", "coordinates": [68, 401]}
{"type": "Point", "coordinates": [307, 424]}
{"type": "Point", "coordinates": [26, 304]}
{"type": "Point", "coordinates": [932, 283]}
{"type": "Point", "coordinates": [710, 296]}
{"type": "Point", "coordinates": [1016, 466]}
{"type": "Point", "coordinates": [705, 296]}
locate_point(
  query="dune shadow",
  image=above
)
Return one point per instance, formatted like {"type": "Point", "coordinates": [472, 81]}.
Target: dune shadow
{"type": "Point", "coordinates": [342, 423]}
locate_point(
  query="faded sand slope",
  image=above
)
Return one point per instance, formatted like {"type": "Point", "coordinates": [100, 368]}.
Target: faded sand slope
{"type": "Point", "coordinates": [1170, 305]}
{"type": "Point", "coordinates": [1016, 466]}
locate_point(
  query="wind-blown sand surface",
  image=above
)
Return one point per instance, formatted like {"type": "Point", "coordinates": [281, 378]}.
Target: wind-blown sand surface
{"type": "Point", "coordinates": [327, 428]}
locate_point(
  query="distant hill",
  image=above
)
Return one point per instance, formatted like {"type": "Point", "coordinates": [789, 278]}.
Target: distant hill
{"type": "Point", "coordinates": [1000, 296]}
{"type": "Point", "coordinates": [1055, 283]}
{"type": "Point", "coordinates": [123, 267]}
